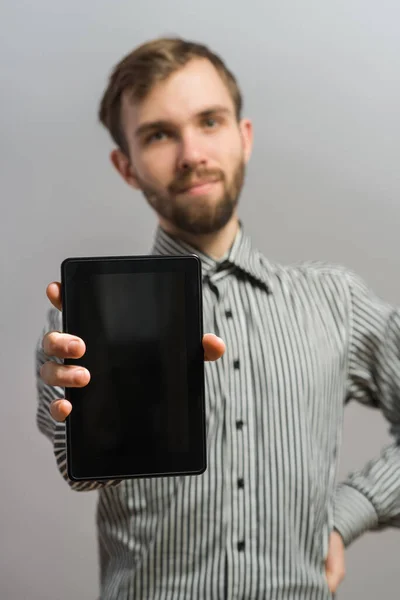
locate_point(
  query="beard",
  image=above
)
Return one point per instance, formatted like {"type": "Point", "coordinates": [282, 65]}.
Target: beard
{"type": "Point", "coordinates": [197, 215]}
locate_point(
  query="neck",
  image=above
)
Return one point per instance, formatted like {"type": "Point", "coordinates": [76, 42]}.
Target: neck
{"type": "Point", "coordinates": [215, 245]}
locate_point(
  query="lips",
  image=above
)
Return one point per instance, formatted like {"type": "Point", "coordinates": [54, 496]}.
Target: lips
{"type": "Point", "coordinates": [197, 184]}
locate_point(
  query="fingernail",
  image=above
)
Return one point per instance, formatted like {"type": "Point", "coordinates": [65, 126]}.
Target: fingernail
{"type": "Point", "coordinates": [79, 374]}
{"type": "Point", "coordinates": [73, 347]}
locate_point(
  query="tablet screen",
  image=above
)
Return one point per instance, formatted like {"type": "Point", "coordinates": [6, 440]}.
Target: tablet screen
{"type": "Point", "coordinates": [142, 413]}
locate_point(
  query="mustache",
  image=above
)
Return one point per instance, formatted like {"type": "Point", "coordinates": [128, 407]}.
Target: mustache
{"type": "Point", "coordinates": [185, 180]}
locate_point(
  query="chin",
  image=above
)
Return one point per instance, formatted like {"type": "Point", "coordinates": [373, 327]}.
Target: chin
{"type": "Point", "coordinates": [204, 224]}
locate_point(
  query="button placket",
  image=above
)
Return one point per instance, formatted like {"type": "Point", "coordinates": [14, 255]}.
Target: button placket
{"type": "Point", "coordinates": [234, 422]}
{"type": "Point", "coordinates": [238, 492]}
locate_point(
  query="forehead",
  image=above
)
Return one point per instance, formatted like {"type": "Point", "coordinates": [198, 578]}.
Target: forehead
{"type": "Point", "coordinates": [185, 93]}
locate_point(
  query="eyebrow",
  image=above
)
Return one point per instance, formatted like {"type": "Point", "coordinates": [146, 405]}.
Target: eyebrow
{"type": "Point", "coordinates": [162, 124]}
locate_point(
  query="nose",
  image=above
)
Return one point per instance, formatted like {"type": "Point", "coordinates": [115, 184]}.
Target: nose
{"type": "Point", "coordinates": [191, 153]}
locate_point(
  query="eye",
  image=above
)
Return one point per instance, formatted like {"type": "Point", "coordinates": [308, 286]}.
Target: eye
{"type": "Point", "coordinates": [210, 122]}
{"type": "Point", "coordinates": [156, 136]}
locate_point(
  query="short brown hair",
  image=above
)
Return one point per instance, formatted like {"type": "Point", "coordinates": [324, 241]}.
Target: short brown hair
{"type": "Point", "coordinates": [149, 64]}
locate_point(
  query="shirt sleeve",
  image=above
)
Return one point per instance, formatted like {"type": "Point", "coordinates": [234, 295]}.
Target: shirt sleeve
{"type": "Point", "coordinates": [369, 499]}
{"type": "Point", "coordinates": [53, 430]}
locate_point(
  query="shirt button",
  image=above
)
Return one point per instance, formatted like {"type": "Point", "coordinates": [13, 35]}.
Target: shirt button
{"type": "Point", "coordinates": [228, 314]}
{"type": "Point", "coordinates": [240, 483]}
{"type": "Point", "coordinates": [236, 364]}
{"type": "Point", "coordinates": [239, 425]}
{"type": "Point", "coordinates": [240, 546]}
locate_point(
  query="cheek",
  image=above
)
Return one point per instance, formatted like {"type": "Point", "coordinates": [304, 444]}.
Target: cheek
{"type": "Point", "coordinates": [233, 156]}
{"type": "Point", "coordinates": [155, 167]}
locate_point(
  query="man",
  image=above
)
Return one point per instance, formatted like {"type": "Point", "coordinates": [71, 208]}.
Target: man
{"type": "Point", "coordinates": [266, 520]}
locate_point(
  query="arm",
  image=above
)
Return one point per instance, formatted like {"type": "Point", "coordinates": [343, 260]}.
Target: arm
{"type": "Point", "coordinates": [52, 429]}
{"type": "Point", "coordinates": [369, 499]}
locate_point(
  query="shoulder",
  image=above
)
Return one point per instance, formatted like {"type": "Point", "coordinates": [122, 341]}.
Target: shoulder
{"type": "Point", "coordinates": [334, 283]}
{"type": "Point", "coordinates": [314, 273]}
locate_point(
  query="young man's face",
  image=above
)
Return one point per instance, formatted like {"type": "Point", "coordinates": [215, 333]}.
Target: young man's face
{"type": "Point", "coordinates": [187, 150]}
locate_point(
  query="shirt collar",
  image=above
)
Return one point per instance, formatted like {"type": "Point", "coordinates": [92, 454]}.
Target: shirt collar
{"type": "Point", "coordinates": [241, 255]}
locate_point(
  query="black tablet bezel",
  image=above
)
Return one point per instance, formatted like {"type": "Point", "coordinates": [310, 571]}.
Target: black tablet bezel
{"type": "Point", "coordinates": [195, 462]}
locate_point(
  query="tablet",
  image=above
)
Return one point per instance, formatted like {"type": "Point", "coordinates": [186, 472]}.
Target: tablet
{"type": "Point", "coordinates": [143, 412]}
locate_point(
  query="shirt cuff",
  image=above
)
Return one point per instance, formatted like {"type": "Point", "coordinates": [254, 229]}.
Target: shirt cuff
{"type": "Point", "coordinates": [353, 513]}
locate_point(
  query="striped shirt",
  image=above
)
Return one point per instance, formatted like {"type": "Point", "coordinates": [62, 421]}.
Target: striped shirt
{"type": "Point", "coordinates": [302, 341]}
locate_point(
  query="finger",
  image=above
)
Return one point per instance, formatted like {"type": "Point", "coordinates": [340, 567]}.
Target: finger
{"type": "Point", "coordinates": [53, 292]}
{"type": "Point", "coordinates": [332, 582]}
{"type": "Point", "coordinates": [334, 578]}
{"type": "Point", "coordinates": [56, 374]}
{"type": "Point", "coordinates": [60, 409]}
{"type": "Point", "coordinates": [213, 346]}
{"type": "Point", "coordinates": [63, 345]}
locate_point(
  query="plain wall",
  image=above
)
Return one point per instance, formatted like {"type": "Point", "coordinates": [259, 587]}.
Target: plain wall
{"type": "Point", "coordinates": [321, 82]}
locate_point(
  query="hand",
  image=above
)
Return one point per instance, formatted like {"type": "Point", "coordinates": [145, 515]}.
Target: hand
{"type": "Point", "coordinates": [57, 344]}
{"type": "Point", "coordinates": [335, 561]}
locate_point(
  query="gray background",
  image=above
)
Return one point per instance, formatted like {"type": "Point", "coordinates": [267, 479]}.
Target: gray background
{"type": "Point", "coordinates": [321, 81]}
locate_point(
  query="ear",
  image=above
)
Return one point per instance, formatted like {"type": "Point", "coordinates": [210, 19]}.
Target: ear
{"type": "Point", "coordinates": [124, 167]}
{"type": "Point", "coordinates": [246, 132]}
